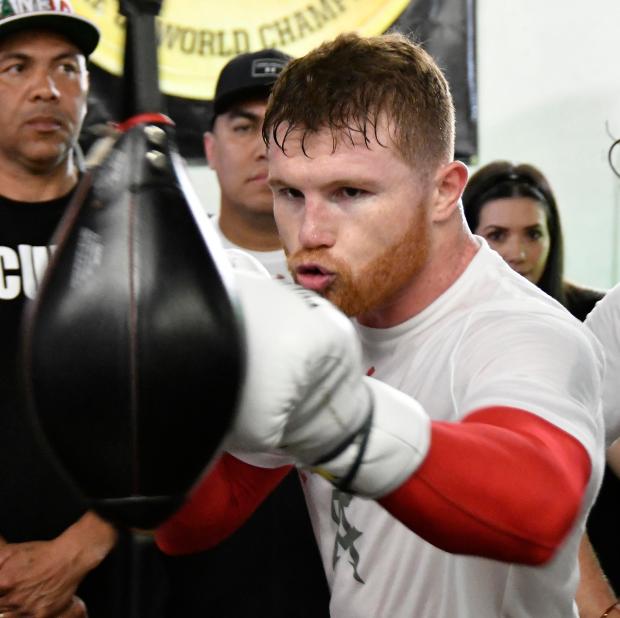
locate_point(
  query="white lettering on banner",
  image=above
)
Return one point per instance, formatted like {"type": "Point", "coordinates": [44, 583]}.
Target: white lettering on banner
{"type": "Point", "coordinates": [29, 264]}
{"type": "Point", "coordinates": [194, 43]}
{"type": "Point", "coordinates": [227, 43]}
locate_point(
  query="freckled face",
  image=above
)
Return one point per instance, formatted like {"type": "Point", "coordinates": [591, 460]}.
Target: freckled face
{"type": "Point", "coordinates": [354, 221]}
{"type": "Point", "coordinates": [516, 227]}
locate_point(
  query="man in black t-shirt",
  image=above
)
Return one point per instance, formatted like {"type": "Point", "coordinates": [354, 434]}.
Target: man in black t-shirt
{"type": "Point", "coordinates": [48, 540]}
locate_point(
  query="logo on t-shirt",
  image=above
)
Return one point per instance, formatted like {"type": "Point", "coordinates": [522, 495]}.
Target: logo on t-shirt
{"type": "Point", "coordinates": [21, 271]}
{"type": "Point", "coordinates": [346, 534]}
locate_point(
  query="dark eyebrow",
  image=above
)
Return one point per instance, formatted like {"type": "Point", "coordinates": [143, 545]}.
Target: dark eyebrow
{"type": "Point", "coordinates": [493, 226]}
{"type": "Point", "coordinates": [239, 112]}
{"type": "Point", "coordinates": [13, 56]}
{"type": "Point", "coordinates": [16, 55]}
{"type": "Point", "coordinates": [69, 54]}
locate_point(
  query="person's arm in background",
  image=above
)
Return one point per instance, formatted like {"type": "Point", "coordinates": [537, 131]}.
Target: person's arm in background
{"type": "Point", "coordinates": [594, 593]}
{"type": "Point", "coordinates": [613, 457]}
{"type": "Point", "coordinates": [39, 578]}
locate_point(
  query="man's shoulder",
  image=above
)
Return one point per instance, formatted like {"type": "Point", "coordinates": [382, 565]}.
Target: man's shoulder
{"type": "Point", "coordinates": [489, 284]}
{"type": "Point", "coordinates": [509, 312]}
{"type": "Point", "coordinates": [243, 261]}
{"type": "Point", "coordinates": [605, 316]}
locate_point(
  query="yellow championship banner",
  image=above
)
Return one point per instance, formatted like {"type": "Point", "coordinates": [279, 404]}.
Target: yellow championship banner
{"type": "Point", "coordinates": [197, 37]}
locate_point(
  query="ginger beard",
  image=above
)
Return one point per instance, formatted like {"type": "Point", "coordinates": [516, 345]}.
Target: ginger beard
{"type": "Point", "coordinates": [379, 281]}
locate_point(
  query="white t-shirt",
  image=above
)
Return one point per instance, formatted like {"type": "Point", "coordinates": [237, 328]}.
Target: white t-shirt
{"type": "Point", "coordinates": [491, 339]}
{"type": "Point", "coordinates": [273, 261]}
{"type": "Point", "coordinates": [604, 322]}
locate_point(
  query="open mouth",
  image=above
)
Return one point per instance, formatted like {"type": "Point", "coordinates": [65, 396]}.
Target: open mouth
{"type": "Point", "coordinates": [314, 277]}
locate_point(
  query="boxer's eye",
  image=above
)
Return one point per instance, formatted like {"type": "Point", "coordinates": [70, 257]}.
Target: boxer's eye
{"type": "Point", "coordinates": [290, 193]}
{"type": "Point", "coordinates": [351, 192]}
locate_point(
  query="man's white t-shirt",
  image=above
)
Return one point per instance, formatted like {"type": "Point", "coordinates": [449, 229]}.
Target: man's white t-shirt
{"type": "Point", "coordinates": [604, 322]}
{"type": "Point", "coordinates": [492, 339]}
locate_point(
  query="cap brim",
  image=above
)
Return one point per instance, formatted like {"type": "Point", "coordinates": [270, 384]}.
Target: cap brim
{"type": "Point", "coordinates": [230, 99]}
{"type": "Point", "coordinates": [81, 32]}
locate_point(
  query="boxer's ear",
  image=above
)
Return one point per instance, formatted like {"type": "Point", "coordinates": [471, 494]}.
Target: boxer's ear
{"type": "Point", "coordinates": [450, 180]}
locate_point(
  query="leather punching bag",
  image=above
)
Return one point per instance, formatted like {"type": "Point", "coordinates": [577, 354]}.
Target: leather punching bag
{"type": "Point", "coordinates": [132, 351]}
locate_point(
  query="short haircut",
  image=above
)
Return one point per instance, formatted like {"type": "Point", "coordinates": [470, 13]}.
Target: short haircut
{"type": "Point", "coordinates": [346, 84]}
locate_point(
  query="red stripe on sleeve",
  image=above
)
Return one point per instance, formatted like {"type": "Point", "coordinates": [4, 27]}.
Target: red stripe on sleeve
{"type": "Point", "coordinates": [220, 504]}
{"type": "Point", "coordinates": [503, 483]}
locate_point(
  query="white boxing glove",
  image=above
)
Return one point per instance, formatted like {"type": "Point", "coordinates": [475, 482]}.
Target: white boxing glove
{"type": "Point", "coordinates": [306, 395]}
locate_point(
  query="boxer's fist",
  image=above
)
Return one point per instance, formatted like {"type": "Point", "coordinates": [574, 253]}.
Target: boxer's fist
{"type": "Point", "coordinates": [303, 391]}
{"type": "Point", "coordinates": [306, 395]}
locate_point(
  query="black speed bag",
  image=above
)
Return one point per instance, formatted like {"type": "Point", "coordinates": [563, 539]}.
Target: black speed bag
{"type": "Point", "coordinates": [132, 351]}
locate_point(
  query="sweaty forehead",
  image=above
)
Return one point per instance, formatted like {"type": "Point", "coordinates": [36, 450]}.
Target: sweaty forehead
{"type": "Point", "coordinates": [318, 165]}
{"type": "Point", "coordinates": [330, 140]}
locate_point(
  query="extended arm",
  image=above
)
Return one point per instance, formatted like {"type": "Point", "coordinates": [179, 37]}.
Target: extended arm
{"type": "Point", "coordinates": [221, 503]}
{"type": "Point", "coordinates": [484, 478]}
{"type": "Point", "coordinates": [502, 483]}
{"type": "Point", "coordinates": [594, 593]}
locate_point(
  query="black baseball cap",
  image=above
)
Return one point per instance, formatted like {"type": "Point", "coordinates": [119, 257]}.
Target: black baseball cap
{"type": "Point", "coordinates": [54, 15]}
{"type": "Point", "coordinates": [247, 76]}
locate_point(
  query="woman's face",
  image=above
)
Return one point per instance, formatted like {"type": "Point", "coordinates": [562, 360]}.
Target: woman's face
{"type": "Point", "coordinates": [516, 227]}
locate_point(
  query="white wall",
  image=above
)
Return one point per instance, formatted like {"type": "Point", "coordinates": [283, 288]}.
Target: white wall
{"type": "Point", "coordinates": [205, 183]}
{"type": "Point", "coordinates": [548, 81]}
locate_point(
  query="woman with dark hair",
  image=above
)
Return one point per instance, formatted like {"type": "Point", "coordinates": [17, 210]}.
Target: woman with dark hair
{"type": "Point", "coordinates": [513, 207]}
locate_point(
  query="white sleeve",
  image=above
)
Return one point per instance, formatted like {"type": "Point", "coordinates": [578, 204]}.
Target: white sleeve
{"type": "Point", "coordinates": [549, 365]}
{"type": "Point", "coordinates": [604, 322]}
